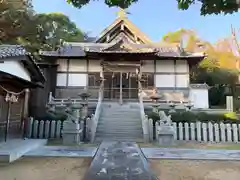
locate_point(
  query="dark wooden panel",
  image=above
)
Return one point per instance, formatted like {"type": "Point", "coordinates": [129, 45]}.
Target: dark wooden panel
{"type": "Point", "coordinates": [39, 97]}
{"type": "Point", "coordinates": [15, 117]}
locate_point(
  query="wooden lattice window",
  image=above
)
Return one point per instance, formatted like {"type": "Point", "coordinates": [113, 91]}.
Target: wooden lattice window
{"type": "Point", "coordinates": [148, 80]}
{"type": "Point", "coordinates": [93, 79]}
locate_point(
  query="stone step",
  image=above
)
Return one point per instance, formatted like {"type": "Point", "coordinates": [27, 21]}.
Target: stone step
{"type": "Point", "coordinates": [112, 114]}
{"type": "Point", "coordinates": [114, 136]}
{"type": "Point", "coordinates": [119, 134]}
{"type": "Point", "coordinates": [114, 130]}
{"type": "Point", "coordinates": [133, 106]}
{"type": "Point", "coordinates": [121, 119]}
{"type": "Point", "coordinates": [119, 123]}
{"type": "Point", "coordinates": [119, 126]}
{"type": "Point", "coordinates": [100, 139]}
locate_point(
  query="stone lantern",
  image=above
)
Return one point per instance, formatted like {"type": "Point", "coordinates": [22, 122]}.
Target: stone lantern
{"type": "Point", "coordinates": [189, 106]}
{"type": "Point", "coordinates": [172, 106]}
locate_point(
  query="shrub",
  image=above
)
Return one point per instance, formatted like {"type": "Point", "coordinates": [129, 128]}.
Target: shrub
{"type": "Point", "coordinates": [50, 116]}
{"type": "Point", "coordinates": [231, 116]}
{"type": "Point", "coordinates": [188, 116]}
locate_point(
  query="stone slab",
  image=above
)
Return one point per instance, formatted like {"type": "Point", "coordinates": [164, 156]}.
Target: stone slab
{"type": "Point", "coordinates": [191, 154]}
{"type": "Point", "coordinates": [119, 161]}
{"type": "Point", "coordinates": [16, 148]}
{"type": "Point", "coordinates": [62, 151]}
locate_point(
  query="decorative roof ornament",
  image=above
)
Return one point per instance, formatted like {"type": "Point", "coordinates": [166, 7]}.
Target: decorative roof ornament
{"type": "Point", "coordinates": [122, 13]}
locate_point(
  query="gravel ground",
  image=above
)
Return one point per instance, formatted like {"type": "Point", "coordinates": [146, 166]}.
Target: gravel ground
{"type": "Point", "coordinates": [45, 169]}
{"type": "Point", "coordinates": [196, 170]}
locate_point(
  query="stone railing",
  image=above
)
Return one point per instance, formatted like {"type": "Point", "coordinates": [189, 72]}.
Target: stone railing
{"type": "Point", "coordinates": [93, 121]}
{"type": "Point", "coordinates": [144, 119]}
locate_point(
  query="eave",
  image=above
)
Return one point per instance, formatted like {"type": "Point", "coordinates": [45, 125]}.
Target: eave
{"type": "Point", "coordinates": [121, 55]}
{"type": "Point", "coordinates": [16, 81]}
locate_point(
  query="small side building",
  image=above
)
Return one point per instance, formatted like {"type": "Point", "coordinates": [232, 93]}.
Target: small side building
{"type": "Point", "coordinates": [19, 74]}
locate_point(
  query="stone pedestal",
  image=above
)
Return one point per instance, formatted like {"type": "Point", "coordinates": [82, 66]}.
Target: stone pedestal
{"type": "Point", "coordinates": [166, 135]}
{"type": "Point", "coordinates": [71, 133]}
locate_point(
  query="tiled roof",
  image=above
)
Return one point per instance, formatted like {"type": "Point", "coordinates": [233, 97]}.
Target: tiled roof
{"type": "Point", "coordinates": [12, 50]}
{"type": "Point", "coordinates": [199, 86]}
{"type": "Point", "coordinates": [80, 49]}
{"type": "Point", "coordinates": [16, 51]}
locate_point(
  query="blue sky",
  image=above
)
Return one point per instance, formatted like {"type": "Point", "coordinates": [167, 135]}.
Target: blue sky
{"type": "Point", "coordinates": [153, 17]}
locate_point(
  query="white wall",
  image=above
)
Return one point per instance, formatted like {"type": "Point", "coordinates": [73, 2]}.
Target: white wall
{"type": "Point", "coordinates": [148, 66]}
{"type": "Point", "coordinates": [199, 98]}
{"type": "Point", "coordinates": [182, 66]}
{"type": "Point", "coordinates": [182, 80]}
{"type": "Point", "coordinates": [62, 64]}
{"type": "Point", "coordinates": [76, 77]}
{"type": "Point", "coordinates": [176, 74]}
{"type": "Point", "coordinates": [15, 68]}
{"type": "Point", "coordinates": [73, 79]}
{"type": "Point", "coordinates": [77, 65]}
{"type": "Point", "coordinates": [61, 79]}
{"type": "Point", "coordinates": [77, 80]}
{"type": "Point", "coordinates": [94, 66]}
{"type": "Point", "coordinates": [165, 66]}
{"type": "Point", "coordinates": [167, 80]}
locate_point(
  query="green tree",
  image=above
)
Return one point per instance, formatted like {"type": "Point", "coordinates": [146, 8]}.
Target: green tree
{"type": "Point", "coordinates": [20, 25]}
{"type": "Point", "coordinates": [52, 29]}
{"type": "Point", "coordinates": [14, 20]}
{"type": "Point", "coordinates": [207, 6]}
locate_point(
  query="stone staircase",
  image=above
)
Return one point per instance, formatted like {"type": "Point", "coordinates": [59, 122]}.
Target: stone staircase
{"type": "Point", "coordinates": [119, 123]}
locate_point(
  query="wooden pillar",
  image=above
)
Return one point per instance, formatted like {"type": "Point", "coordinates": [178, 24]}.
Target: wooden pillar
{"type": "Point", "coordinates": [8, 120]}
{"type": "Point", "coordinates": [121, 100]}
{"type": "Point", "coordinates": [25, 112]}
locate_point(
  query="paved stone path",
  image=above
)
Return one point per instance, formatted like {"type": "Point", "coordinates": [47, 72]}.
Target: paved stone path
{"type": "Point", "coordinates": [154, 153]}
{"type": "Point", "coordinates": [191, 154]}
{"type": "Point", "coordinates": [119, 161]}
{"type": "Point", "coordinates": [13, 149]}
{"type": "Point", "coordinates": [62, 151]}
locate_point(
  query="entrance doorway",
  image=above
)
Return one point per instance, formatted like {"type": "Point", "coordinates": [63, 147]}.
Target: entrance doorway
{"type": "Point", "coordinates": [119, 84]}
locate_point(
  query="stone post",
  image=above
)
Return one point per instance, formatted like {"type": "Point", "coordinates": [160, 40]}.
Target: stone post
{"type": "Point", "coordinates": [84, 113]}
{"type": "Point", "coordinates": [229, 103]}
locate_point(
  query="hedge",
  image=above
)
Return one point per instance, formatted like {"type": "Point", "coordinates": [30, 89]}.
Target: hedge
{"type": "Point", "coordinates": [188, 116]}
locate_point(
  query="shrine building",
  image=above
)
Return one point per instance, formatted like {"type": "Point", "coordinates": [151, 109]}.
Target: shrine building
{"type": "Point", "coordinates": [119, 53]}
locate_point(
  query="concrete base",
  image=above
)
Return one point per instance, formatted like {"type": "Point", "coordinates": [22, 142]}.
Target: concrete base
{"type": "Point", "coordinates": [72, 138]}
{"type": "Point", "coordinates": [16, 148]}
{"type": "Point", "coordinates": [166, 135]}
{"type": "Point", "coordinates": [71, 133]}
{"type": "Point", "coordinates": [166, 139]}
{"type": "Point", "coordinates": [146, 138]}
